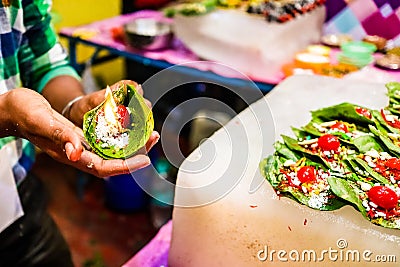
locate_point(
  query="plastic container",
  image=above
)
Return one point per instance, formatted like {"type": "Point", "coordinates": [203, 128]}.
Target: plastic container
{"type": "Point", "coordinates": [358, 49]}
{"type": "Point", "coordinates": [356, 53]}
{"type": "Point", "coordinates": [319, 50]}
{"type": "Point", "coordinates": [314, 62]}
{"type": "Point", "coordinates": [355, 61]}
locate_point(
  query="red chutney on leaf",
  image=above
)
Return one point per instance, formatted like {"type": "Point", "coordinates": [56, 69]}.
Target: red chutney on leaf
{"type": "Point", "coordinates": [394, 123]}
{"type": "Point", "coordinates": [340, 126]}
{"type": "Point", "coordinates": [393, 163]}
{"type": "Point", "coordinates": [389, 168]}
{"type": "Point", "coordinates": [364, 112]}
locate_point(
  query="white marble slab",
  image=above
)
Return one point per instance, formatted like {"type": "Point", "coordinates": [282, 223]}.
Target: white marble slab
{"type": "Point", "coordinates": [227, 215]}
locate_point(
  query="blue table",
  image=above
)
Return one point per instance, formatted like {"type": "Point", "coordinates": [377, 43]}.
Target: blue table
{"type": "Point", "coordinates": [99, 36]}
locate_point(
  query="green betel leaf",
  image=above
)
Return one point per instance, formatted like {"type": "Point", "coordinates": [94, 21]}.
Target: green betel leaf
{"type": "Point", "coordinates": [393, 90]}
{"type": "Point", "coordinates": [275, 170]}
{"type": "Point", "coordinates": [393, 148]}
{"type": "Point", "coordinates": [366, 143]}
{"type": "Point", "coordinates": [282, 150]}
{"type": "Point", "coordinates": [293, 145]}
{"type": "Point", "coordinates": [395, 109]}
{"type": "Point", "coordinates": [364, 167]}
{"type": "Point", "coordinates": [311, 129]}
{"type": "Point", "coordinates": [100, 124]}
{"type": "Point", "coordinates": [318, 128]}
{"type": "Point", "coordinates": [357, 173]}
{"type": "Point", "coordinates": [346, 112]}
{"type": "Point", "coordinates": [353, 193]}
{"type": "Point", "coordinates": [347, 190]}
{"type": "Point", "coordinates": [300, 133]}
{"type": "Point", "coordinates": [379, 178]}
{"type": "Point", "coordinates": [382, 122]}
{"type": "Point", "coordinates": [269, 168]}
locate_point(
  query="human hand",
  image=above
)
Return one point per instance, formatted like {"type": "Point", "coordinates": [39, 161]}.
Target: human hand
{"type": "Point", "coordinates": [33, 118]}
{"type": "Point", "coordinates": [92, 100]}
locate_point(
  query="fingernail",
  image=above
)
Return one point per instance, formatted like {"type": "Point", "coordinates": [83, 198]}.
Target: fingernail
{"type": "Point", "coordinates": [68, 150]}
{"type": "Point", "coordinates": [140, 161]}
{"type": "Point", "coordinates": [156, 136]}
{"type": "Point", "coordinates": [73, 154]}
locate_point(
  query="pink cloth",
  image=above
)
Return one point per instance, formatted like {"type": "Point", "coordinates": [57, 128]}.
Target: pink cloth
{"type": "Point", "coordinates": [99, 32]}
{"type": "Point", "coordinates": [155, 253]}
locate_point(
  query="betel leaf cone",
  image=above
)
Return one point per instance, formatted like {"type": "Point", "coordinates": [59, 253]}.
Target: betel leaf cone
{"type": "Point", "coordinates": [138, 131]}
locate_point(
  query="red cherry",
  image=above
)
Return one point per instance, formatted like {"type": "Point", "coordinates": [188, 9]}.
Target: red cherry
{"type": "Point", "coordinates": [383, 196]}
{"type": "Point", "coordinates": [393, 163]}
{"type": "Point", "coordinates": [340, 126]}
{"type": "Point", "coordinates": [124, 116]}
{"type": "Point", "coordinates": [328, 142]}
{"type": "Point", "coordinates": [306, 174]}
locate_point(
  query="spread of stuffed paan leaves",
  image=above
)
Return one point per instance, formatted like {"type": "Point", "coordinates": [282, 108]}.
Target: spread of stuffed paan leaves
{"type": "Point", "coordinates": [346, 155]}
{"type": "Point", "coordinates": [120, 125]}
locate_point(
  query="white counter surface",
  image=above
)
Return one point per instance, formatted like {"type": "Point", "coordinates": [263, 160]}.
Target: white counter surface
{"type": "Point", "coordinates": [226, 213]}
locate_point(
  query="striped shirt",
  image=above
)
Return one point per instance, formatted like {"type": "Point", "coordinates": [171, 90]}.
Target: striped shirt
{"type": "Point", "coordinates": [30, 56]}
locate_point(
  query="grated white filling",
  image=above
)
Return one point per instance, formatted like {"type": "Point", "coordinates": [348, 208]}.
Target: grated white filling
{"type": "Point", "coordinates": [317, 201]}
{"type": "Point", "coordinates": [110, 135]}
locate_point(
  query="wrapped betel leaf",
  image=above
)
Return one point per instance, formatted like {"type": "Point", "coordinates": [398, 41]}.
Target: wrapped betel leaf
{"type": "Point", "coordinates": [348, 112]}
{"type": "Point", "coordinates": [120, 125]}
{"type": "Point", "coordinates": [299, 178]}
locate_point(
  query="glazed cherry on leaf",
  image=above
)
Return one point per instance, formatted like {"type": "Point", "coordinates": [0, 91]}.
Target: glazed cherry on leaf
{"type": "Point", "coordinates": [340, 126]}
{"type": "Point", "coordinates": [123, 116]}
{"type": "Point", "coordinates": [306, 174]}
{"type": "Point", "coordinates": [383, 196]}
{"type": "Point", "coordinates": [328, 142]}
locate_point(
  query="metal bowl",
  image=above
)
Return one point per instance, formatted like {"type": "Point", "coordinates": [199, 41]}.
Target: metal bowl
{"type": "Point", "coordinates": [389, 62]}
{"type": "Point", "coordinates": [148, 34]}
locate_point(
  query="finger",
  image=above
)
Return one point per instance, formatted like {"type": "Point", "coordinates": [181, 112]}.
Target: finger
{"type": "Point", "coordinates": [95, 98]}
{"type": "Point", "coordinates": [148, 103]}
{"type": "Point", "coordinates": [82, 137]}
{"type": "Point", "coordinates": [64, 131]}
{"type": "Point", "coordinates": [92, 163]}
{"type": "Point", "coordinates": [139, 89]}
{"type": "Point", "coordinates": [79, 132]}
{"type": "Point", "coordinates": [154, 137]}
{"type": "Point", "coordinates": [137, 162]}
